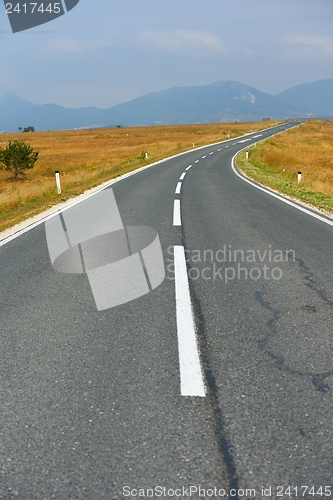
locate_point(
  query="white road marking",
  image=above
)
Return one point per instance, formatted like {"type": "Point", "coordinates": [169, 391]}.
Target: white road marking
{"type": "Point", "coordinates": [227, 146]}
{"type": "Point", "coordinates": [244, 140]}
{"type": "Point", "coordinates": [211, 153]}
{"type": "Point", "coordinates": [196, 161]}
{"type": "Point", "coordinates": [219, 149]}
{"type": "Point", "coordinates": [191, 378]}
{"type": "Point", "coordinates": [255, 136]}
{"type": "Point", "coordinates": [188, 168]}
{"type": "Point", "coordinates": [178, 188]}
{"type": "Point", "coordinates": [182, 176]}
{"type": "Point", "coordinates": [204, 157]}
{"type": "Point", "coordinates": [176, 213]}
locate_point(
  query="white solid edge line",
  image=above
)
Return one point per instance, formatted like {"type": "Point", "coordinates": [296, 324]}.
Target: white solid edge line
{"type": "Point", "coordinates": [178, 188]}
{"type": "Point", "coordinates": [176, 213]}
{"type": "Point", "coordinates": [279, 197]}
{"type": "Point", "coordinates": [84, 196]}
{"type": "Point", "coordinates": [191, 378]}
{"type": "Point", "coordinates": [182, 176]}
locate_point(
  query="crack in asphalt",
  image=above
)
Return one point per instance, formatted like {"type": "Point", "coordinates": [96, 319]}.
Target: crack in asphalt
{"type": "Point", "coordinates": [317, 379]}
{"type": "Point", "coordinates": [311, 283]}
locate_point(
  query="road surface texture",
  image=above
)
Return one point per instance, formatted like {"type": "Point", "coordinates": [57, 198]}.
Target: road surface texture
{"type": "Point", "coordinates": [91, 402]}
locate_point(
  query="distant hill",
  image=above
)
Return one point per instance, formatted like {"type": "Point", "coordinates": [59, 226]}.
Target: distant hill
{"type": "Point", "coordinates": [17, 112]}
{"type": "Point", "coordinates": [224, 101]}
{"type": "Point", "coordinates": [317, 97]}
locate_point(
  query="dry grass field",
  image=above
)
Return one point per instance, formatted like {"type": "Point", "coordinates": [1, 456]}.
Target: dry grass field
{"type": "Point", "coordinates": [307, 149]}
{"type": "Point", "coordinates": [86, 158]}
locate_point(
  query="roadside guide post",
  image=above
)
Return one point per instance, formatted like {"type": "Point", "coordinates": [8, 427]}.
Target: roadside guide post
{"type": "Point", "coordinates": [57, 176]}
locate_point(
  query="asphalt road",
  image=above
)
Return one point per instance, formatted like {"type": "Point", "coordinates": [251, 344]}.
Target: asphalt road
{"type": "Point", "coordinates": [90, 401]}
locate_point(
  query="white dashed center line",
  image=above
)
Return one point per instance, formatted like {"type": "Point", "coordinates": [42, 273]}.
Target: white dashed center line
{"type": "Point", "coordinates": [188, 168]}
{"type": "Point", "coordinates": [182, 176]}
{"type": "Point", "coordinates": [178, 188]}
{"type": "Point", "coordinates": [211, 153]}
{"type": "Point", "coordinates": [176, 213]}
{"type": "Point", "coordinates": [191, 378]}
{"type": "Point", "coordinates": [204, 157]}
{"type": "Point", "coordinates": [196, 161]}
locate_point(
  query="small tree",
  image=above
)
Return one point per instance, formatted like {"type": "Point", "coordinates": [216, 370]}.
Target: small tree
{"type": "Point", "coordinates": [16, 157]}
{"type": "Point", "coordinates": [29, 129]}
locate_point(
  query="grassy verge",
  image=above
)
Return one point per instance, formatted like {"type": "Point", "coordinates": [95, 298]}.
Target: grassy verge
{"type": "Point", "coordinates": [86, 158]}
{"type": "Point", "coordinates": [308, 149]}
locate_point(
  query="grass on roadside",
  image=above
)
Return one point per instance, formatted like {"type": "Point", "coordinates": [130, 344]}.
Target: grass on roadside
{"type": "Point", "coordinates": [86, 158]}
{"type": "Point", "coordinates": [308, 149]}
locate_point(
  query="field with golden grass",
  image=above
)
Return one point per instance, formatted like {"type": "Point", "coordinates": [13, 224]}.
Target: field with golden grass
{"type": "Point", "coordinates": [86, 158]}
{"type": "Point", "coordinates": [307, 149]}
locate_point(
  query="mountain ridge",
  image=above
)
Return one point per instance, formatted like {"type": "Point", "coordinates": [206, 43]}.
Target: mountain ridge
{"type": "Point", "coordinates": [222, 101]}
{"type": "Point", "coordinates": [318, 95]}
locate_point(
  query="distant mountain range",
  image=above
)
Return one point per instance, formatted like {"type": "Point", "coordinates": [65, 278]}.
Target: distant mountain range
{"type": "Point", "coordinates": [224, 101]}
{"type": "Point", "coordinates": [317, 97]}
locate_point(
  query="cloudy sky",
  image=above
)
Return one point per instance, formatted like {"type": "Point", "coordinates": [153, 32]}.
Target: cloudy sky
{"type": "Point", "coordinates": [104, 52]}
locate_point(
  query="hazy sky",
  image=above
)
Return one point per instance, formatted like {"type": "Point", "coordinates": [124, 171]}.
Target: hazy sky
{"type": "Point", "coordinates": [104, 52]}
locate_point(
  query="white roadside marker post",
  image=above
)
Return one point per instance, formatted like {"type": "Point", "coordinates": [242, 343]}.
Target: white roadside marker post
{"type": "Point", "coordinates": [299, 177]}
{"type": "Point", "coordinates": [57, 176]}
{"type": "Point", "coordinates": [247, 155]}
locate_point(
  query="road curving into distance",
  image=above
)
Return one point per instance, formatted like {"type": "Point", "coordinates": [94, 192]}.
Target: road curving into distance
{"type": "Point", "coordinates": [217, 383]}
